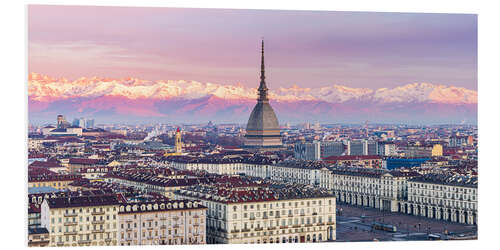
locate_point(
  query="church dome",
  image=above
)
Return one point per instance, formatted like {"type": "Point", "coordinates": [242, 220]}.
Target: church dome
{"type": "Point", "coordinates": [262, 118]}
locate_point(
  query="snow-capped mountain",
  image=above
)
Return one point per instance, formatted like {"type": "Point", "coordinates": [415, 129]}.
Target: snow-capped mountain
{"type": "Point", "coordinates": [193, 101]}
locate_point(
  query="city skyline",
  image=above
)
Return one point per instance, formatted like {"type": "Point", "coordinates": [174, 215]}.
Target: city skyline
{"type": "Point", "coordinates": [180, 126]}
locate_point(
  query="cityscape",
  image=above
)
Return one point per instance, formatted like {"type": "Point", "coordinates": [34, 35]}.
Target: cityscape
{"type": "Point", "coordinates": [94, 180]}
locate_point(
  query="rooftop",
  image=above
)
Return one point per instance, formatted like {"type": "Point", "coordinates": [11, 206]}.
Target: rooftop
{"type": "Point", "coordinates": [447, 179]}
{"type": "Point", "coordinates": [253, 193]}
{"type": "Point", "coordinates": [83, 201]}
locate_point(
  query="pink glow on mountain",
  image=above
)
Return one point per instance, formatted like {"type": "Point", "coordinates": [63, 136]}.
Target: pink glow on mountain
{"type": "Point", "coordinates": [44, 88]}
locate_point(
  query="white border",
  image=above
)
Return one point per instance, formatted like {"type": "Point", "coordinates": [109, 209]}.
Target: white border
{"type": "Point", "coordinates": [14, 106]}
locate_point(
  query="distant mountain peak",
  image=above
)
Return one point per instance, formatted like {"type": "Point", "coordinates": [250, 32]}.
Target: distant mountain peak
{"type": "Point", "coordinates": [181, 99]}
{"type": "Point", "coordinates": [43, 87]}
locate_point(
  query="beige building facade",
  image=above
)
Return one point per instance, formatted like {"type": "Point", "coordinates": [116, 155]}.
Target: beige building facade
{"type": "Point", "coordinates": [173, 222]}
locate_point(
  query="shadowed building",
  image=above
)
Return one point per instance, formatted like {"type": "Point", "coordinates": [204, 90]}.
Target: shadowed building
{"type": "Point", "coordinates": [263, 131]}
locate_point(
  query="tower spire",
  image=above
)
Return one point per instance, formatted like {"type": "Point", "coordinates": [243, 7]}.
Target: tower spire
{"type": "Point", "coordinates": [262, 87]}
{"type": "Point", "coordinates": [262, 70]}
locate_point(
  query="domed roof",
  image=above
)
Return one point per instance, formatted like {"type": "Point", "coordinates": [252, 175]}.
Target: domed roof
{"type": "Point", "coordinates": [262, 118]}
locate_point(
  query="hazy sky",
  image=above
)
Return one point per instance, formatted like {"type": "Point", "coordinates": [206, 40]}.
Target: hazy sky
{"type": "Point", "coordinates": [307, 48]}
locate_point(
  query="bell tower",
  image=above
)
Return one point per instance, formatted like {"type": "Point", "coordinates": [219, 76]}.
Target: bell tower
{"type": "Point", "coordinates": [178, 141]}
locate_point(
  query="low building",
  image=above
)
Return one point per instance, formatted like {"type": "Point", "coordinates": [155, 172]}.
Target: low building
{"type": "Point", "coordinates": [367, 161]}
{"type": "Point", "coordinates": [58, 181]}
{"type": "Point", "coordinates": [75, 164]}
{"type": "Point", "coordinates": [38, 237]}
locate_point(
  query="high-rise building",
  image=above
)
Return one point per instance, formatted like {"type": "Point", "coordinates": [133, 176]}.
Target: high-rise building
{"type": "Point", "coordinates": [80, 122]}
{"type": "Point", "coordinates": [317, 150]}
{"type": "Point", "coordinates": [61, 122]}
{"type": "Point", "coordinates": [355, 147]}
{"type": "Point", "coordinates": [308, 151]}
{"type": "Point", "coordinates": [307, 125]}
{"type": "Point", "coordinates": [371, 148]}
{"type": "Point", "coordinates": [332, 148]}
{"type": "Point", "coordinates": [362, 147]}
{"type": "Point", "coordinates": [263, 131]}
{"type": "Point", "coordinates": [387, 149]}
{"type": "Point", "coordinates": [89, 123]}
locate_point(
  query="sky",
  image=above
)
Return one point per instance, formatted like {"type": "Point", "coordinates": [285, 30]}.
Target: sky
{"type": "Point", "coordinates": [304, 48]}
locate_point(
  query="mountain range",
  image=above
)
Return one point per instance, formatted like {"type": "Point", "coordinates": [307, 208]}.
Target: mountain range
{"type": "Point", "coordinates": [136, 100]}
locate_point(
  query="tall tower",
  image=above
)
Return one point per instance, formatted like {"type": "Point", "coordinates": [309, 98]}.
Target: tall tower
{"type": "Point", "coordinates": [178, 142]}
{"type": "Point", "coordinates": [60, 121]}
{"type": "Point", "coordinates": [263, 131]}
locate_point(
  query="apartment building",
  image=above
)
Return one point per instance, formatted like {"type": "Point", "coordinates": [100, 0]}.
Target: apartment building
{"type": "Point", "coordinates": [58, 181]}
{"type": "Point", "coordinates": [443, 197]}
{"type": "Point", "coordinates": [265, 214]}
{"type": "Point", "coordinates": [162, 222]}
{"type": "Point", "coordinates": [367, 187]}
{"type": "Point", "coordinates": [81, 220]}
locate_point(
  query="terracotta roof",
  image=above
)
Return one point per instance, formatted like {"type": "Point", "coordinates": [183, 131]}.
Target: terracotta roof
{"type": "Point", "coordinates": [52, 177]}
{"type": "Point", "coordinates": [83, 201]}
{"type": "Point", "coordinates": [83, 161]}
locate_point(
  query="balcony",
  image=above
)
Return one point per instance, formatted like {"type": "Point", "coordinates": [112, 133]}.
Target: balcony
{"type": "Point", "coordinates": [98, 213]}
{"type": "Point", "coordinates": [163, 227]}
{"type": "Point", "coordinates": [196, 224]}
{"type": "Point", "coordinates": [296, 226]}
{"type": "Point", "coordinates": [258, 229]}
{"type": "Point", "coordinates": [98, 222]}
{"type": "Point", "coordinates": [70, 214]}
{"type": "Point", "coordinates": [235, 231]}
{"type": "Point", "coordinates": [245, 230]}
{"type": "Point", "coordinates": [252, 218]}
{"type": "Point", "coordinates": [70, 232]}
{"type": "Point", "coordinates": [60, 243]}
{"type": "Point", "coordinates": [71, 223]}
{"type": "Point", "coordinates": [290, 215]}
{"type": "Point", "coordinates": [271, 228]}
{"type": "Point", "coordinates": [283, 227]}
{"type": "Point", "coordinates": [308, 225]}
{"type": "Point", "coordinates": [84, 241]}
{"type": "Point", "coordinates": [98, 231]}
{"type": "Point", "coordinates": [108, 240]}
{"type": "Point", "coordinates": [330, 223]}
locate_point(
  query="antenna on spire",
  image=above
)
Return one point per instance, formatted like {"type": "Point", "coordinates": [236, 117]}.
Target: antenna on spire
{"type": "Point", "coordinates": [262, 87]}
{"type": "Point", "coordinates": [262, 76]}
